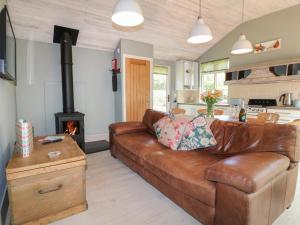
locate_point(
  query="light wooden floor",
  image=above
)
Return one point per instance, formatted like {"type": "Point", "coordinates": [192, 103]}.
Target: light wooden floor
{"type": "Point", "coordinates": [118, 196]}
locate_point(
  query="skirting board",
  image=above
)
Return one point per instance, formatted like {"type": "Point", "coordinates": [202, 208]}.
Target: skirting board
{"type": "Point", "coordinates": [96, 137]}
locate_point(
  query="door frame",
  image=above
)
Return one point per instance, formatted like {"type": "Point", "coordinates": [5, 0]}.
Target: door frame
{"type": "Point", "coordinates": [168, 85]}
{"type": "Point", "coordinates": [124, 80]}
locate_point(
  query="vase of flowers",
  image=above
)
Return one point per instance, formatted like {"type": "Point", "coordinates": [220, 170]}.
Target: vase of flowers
{"type": "Point", "coordinates": [211, 98]}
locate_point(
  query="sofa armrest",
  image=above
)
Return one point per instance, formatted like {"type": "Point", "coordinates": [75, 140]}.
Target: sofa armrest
{"type": "Point", "coordinates": [127, 127]}
{"type": "Point", "coordinates": [248, 172]}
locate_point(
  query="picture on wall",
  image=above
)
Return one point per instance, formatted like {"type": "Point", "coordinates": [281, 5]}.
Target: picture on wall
{"type": "Point", "coordinates": [267, 46]}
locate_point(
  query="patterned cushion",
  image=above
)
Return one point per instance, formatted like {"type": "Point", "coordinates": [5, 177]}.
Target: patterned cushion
{"type": "Point", "coordinates": [182, 132]}
{"type": "Point", "coordinates": [169, 130]}
{"type": "Point", "coordinates": [197, 135]}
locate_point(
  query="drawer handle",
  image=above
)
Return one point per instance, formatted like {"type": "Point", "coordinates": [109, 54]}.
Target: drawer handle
{"type": "Point", "coordinates": [41, 192]}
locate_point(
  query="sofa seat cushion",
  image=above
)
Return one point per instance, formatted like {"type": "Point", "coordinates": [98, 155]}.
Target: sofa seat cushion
{"type": "Point", "coordinates": [135, 146]}
{"type": "Point", "coordinates": [185, 172]}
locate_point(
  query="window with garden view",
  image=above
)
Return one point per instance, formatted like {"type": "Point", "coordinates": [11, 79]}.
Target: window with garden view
{"type": "Point", "coordinates": [212, 75]}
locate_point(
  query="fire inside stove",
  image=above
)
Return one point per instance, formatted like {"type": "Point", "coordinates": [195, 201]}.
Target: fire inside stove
{"type": "Point", "coordinates": [71, 127]}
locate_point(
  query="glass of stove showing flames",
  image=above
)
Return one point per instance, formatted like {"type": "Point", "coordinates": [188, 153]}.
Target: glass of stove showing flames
{"type": "Point", "coordinates": [71, 127]}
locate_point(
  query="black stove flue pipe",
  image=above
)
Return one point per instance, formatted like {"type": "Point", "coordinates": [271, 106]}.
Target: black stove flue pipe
{"type": "Point", "coordinates": [66, 37]}
{"type": "Point", "coordinates": [67, 72]}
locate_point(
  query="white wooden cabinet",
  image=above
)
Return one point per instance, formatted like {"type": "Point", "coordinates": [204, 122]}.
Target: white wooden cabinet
{"type": "Point", "coordinates": [187, 75]}
{"type": "Point", "coordinates": [286, 115]}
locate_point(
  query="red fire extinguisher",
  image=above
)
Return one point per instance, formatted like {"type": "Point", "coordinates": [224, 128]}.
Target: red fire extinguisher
{"type": "Point", "coordinates": [115, 71]}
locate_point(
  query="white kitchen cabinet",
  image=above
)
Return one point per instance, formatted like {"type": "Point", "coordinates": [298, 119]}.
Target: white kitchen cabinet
{"type": "Point", "coordinates": [187, 75]}
{"type": "Point", "coordinates": [286, 115]}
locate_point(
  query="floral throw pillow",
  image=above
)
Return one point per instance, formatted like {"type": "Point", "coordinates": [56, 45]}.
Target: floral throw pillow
{"type": "Point", "coordinates": [184, 133]}
{"type": "Point", "coordinates": [197, 135]}
{"type": "Point", "coordinates": [169, 130]}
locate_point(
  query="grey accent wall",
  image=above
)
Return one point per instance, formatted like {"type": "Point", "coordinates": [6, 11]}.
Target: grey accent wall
{"type": "Point", "coordinates": [7, 127]}
{"type": "Point", "coordinates": [136, 48]}
{"type": "Point", "coordinates": [282, 24]}
{"type": "Point", "coordinates": [118, 93]}
{"type": "Point", "coordinates": [133, 48]}
{"type": "Point", "coordinates": [39, 94]}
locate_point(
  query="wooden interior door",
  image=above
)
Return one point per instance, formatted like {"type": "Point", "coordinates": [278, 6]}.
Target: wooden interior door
{"type": "Point", "coordinates": [137, 88]}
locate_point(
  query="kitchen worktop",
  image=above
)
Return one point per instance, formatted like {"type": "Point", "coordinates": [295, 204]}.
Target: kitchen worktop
{"type": "Point", "coordinates": [226, 105]}
{"type": "Point", "coordinates": [284, 107]}
{"type": "Point", "coordinates": [201, 103]}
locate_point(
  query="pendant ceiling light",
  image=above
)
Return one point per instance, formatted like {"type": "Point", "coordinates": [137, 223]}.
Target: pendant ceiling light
{"type": "Point", "coordinates": [200, 32]}
{"type": "Point", "coordinates": [242, 45]}
{"type": "Point", "coordinates": [127, 13]}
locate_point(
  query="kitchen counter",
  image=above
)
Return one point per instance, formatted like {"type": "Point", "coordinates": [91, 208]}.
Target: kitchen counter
{"type": "Point", "coordinates": [226, 105]}
{"type": "Point", "coordinates": [286, 113]}
{"type": "Point", "coordinates": [284, 108]}
{"type": "Point", "coordinates": [200, 103]}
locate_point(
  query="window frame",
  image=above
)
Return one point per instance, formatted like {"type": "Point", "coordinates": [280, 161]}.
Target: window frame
{"type": "Point", "coordinates": [215, 73]}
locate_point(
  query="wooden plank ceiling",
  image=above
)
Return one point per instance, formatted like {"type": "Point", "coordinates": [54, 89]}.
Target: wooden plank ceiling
{"type": "Point", "coordinates": [167, 22]}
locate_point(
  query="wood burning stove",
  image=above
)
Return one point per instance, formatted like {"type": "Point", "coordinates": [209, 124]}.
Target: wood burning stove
{"type": "Point", "coordinates": [68, 121]}
{"type": "Point", "coordinates": [72, 124]}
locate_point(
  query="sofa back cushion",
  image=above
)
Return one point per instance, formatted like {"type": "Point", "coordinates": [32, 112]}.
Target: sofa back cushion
{"type": "Point", "coordinates": [150, 118]}
{"type": "Point", "coordinates": [234, 138]}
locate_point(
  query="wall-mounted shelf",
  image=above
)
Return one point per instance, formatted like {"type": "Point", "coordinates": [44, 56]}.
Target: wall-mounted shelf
{"type": "Point", "coordinates": [237, 75]}
{"type": "Point", "coordinates": [266, 72]}
{"type": "Point", "coordinates": [244, 74]}
{"type": "Point", "coordinates": [280, 70]}
{"type": "Point", "coordinates": [231, 76]}
{"type": "Point", "coordinates": [264, 80]}
{"type": "Point", "coordinates": [293, 69]}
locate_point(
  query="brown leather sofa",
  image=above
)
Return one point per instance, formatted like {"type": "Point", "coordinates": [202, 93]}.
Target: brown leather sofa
{"type": "Point", "coordinates": [248, 178]}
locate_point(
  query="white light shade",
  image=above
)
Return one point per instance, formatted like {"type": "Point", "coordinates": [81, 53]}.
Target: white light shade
{"type": "Point", "coordinates": [242, 46]}
{"type": "Point", "coordinates": [200, 33]}
{"type": "Point", "coordinates": [127, 13]}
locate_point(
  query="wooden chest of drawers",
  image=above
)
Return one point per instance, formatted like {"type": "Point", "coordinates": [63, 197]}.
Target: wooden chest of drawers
{"type": "Point", "coordinates": [42, 190]}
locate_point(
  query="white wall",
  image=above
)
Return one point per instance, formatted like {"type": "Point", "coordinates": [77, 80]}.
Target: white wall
{"type": "Point", "coordinates": [39, 94]}
{"type": "Point", "coordinates": [272, 91]}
